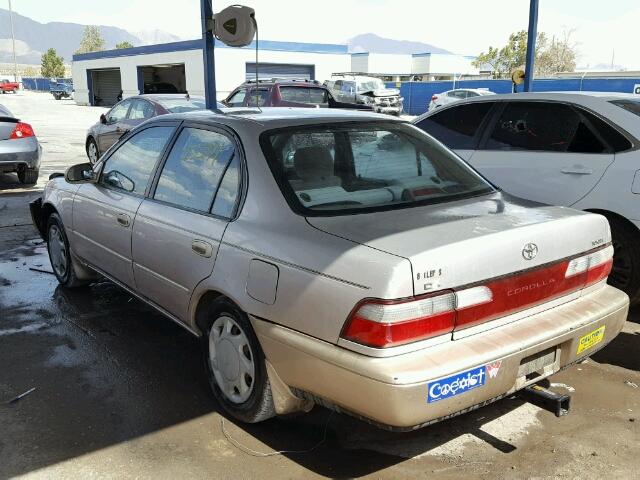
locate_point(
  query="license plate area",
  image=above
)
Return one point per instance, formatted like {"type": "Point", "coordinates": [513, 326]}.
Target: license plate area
{"type": "Point", "coordinates": [537, 366]}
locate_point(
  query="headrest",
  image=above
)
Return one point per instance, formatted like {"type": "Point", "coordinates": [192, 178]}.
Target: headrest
{"type": "Point", "coordinates": [313, 163]}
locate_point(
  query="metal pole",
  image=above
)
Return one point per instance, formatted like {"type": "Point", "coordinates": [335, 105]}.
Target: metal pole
{"type": "Point", "coordinates": [206, 12]}
{"type": "Point", "coordinates": [13, 39]}
{"type": "Point", "coordinates": [531, 45]}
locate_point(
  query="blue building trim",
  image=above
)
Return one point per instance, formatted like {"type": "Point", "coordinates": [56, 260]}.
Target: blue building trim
{"type": "Point", "coordinates": [197, 44]}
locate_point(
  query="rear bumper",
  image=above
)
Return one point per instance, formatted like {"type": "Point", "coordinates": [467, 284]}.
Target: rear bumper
{"type": "Point", "coordinates": [406, 391]}
{"type": "Point", "coordinates": [19, 153]}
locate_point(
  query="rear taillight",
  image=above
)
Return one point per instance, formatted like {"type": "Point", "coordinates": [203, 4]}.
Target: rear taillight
{"type": "Point", "coordinates": [593, 267]}
{"type": "Point", "coordinates": [21, 130]}
{"type": "Point", "coordinates": [382, 324]}
{"type": "Point", "coordinates": [434, 98]}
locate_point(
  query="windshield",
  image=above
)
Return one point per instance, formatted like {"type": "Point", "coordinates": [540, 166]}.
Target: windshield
{"type": "Point", "coordinates": [632, 106]}
{"type": "Point", "coordinates": [368, 85]}
{"type": "Point", "coordinates": [337, 169]}
{"type": "Point", "coordinates": [180, 105]}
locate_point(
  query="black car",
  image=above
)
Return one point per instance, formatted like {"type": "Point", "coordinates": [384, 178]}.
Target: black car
{"type": "Point", "coordinates": [276, 92]}
{"type": "Point", "coordinates": [132, 111]}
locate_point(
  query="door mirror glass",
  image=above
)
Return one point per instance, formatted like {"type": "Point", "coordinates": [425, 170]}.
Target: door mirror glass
{"type": "Point", "coordinates": [103, 119]}
{"type": "Point", "coordinates": [81, 173]}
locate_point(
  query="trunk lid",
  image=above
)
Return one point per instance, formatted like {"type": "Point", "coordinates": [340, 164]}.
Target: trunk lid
{"type": "Point", "coordinates": [471, 241]}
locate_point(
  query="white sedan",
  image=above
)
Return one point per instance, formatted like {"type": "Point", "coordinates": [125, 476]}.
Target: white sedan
{"type": "Point", "coordinates": [578, 149]}
{"type": "Point", "coordinates": [451, 96]}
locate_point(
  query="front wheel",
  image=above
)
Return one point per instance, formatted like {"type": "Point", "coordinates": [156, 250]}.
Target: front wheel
{"type": "Point", "coordinates": [92, 151]}
{"type": "Point", "coordinates": [625, 273]}
{"type": "Point", "coordinates": [235, 365]}
{"type": "Point", "coordinates": [60, 254]}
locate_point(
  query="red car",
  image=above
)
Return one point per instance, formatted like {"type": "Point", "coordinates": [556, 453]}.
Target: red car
{"type": "Point", "coordinates": [285, 93]}
{"type": "Point", "coordinates": [7, 86]}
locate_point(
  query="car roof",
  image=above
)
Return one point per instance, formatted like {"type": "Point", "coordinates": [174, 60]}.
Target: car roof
{"type": "Point", "coordinates": [166, 96]}
{"type": "Point", "coordinates": [568, 95]}
{"type": "Point", "coordinates": [275, 117]}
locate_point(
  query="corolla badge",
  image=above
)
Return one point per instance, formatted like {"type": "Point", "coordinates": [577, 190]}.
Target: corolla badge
{"type": "Point", "coordinates": [530, 251]}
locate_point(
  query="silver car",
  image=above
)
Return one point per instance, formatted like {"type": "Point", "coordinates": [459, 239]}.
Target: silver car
{"type": "Point", "coordinates": [340, 258]}
{"type": "Point", "coordinates": [20, 150]}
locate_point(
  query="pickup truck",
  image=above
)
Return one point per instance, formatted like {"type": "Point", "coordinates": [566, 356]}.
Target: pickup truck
{"type": "Point", "coordinates": [61, 90]}
{"type": "Point", "coordinates": [7, 86]}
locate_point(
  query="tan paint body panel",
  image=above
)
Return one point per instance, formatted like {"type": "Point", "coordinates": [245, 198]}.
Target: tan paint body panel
{"type": "Point", "coordinates": [393, 391]}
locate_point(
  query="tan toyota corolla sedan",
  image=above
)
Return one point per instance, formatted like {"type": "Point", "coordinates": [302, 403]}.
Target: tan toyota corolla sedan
{"type": "Point", "coordinates": [341, 258]}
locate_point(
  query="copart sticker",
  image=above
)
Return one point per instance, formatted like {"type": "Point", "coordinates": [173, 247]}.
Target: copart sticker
{"type": "Point", "coordinates": [456, 384]}
{"type": "Point", "coordinates": [590, 339]}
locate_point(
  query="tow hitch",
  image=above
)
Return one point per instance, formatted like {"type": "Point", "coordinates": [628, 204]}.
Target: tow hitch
{"type": "Point", "coordinates": [544, 398]}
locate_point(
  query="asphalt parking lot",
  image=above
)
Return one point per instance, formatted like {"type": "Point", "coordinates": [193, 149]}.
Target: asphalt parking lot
{"type": "Point", "coordinates": [120, 391]}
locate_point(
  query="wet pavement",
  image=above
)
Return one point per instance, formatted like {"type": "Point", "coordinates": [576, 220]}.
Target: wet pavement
{"type": "Point", "coordinates": [120, 392]}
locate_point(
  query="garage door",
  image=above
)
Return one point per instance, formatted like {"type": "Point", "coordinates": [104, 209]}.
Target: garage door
{"type": "Point", "coordinates": [105, 87]}
{"type": "Point", "coordinates": [280, 70]}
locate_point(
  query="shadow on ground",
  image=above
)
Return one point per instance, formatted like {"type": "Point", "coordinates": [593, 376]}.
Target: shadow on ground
{"type": "Point", "coordinates": [108, 369]}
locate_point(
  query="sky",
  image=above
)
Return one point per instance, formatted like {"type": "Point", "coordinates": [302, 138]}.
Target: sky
{"type": "Point", "coordinates": [465, 26]}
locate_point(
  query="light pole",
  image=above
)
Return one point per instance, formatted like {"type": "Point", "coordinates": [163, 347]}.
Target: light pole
{"type": "Point", "coordinates": [206, 12]}
{"type": "Point", "coordinates": [13, 39]}
{"type": "Point", "coordinates": [531, 45]}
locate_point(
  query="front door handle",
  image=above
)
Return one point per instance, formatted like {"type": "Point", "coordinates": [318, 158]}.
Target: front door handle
{"type": "Point", "coordinates": [577, 170]}
{"type": "Point", "coordinates": [123, 219]}
{"type": "Point", "coordinates": [202, 248]}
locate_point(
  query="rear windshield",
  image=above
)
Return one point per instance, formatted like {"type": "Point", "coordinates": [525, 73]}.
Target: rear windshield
{"type": "Point", "coordinates": [180, 105]}
{"type": "Point", "coordinates": [337, 169]}
{"type": "Point", "coordinates": [632, 106]}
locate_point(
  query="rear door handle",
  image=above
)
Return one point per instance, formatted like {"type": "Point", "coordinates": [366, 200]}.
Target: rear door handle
{"type": "Point", "coordinates": [123, 219]}
{"type": "Point", "coordinates": [577, 170]}
{"type": "Point", "coordinates": [202, 248]}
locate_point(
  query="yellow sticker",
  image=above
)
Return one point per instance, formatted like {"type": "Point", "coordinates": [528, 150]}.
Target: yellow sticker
{"type": "Point", "coordinates": [591, 339]}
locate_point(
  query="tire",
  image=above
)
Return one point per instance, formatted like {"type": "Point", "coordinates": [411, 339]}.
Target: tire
{"type": "Point", "coordinates": [57, 243]}
{"type": "Point", "coordinates": [235, 340]}
{"type": "Point", "coordinates": [92, 146]}
{"type": "Point", "coordinates": [625, 274]}
{"type": "Point", "coordinates": [28, 176]}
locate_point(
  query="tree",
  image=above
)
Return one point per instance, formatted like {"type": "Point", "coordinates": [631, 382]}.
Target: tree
{"type": "Point", "coordinates": [123, 45]}
{"type": "Point", "coordinates": [91, 41]}
{"type": "Point", "coordinates": [550, 58]}
{"type": "Point", "coordinates": [52, 64]}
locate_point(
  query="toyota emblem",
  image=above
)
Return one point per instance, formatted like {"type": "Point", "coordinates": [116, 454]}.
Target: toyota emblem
{"type": "Point", "coordinates": [530, 251]}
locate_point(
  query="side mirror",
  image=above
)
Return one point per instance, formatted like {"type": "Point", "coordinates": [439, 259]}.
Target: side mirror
{"type": "Point", "coordinates": [81, 173]}
{"type": "Point", "coordinates": [103, 119]}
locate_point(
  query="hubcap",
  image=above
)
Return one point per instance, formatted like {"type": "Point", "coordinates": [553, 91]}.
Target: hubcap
{"type": "Point", "coordinates": [93, 152]}
{"type": "Point", "coordinates": [57, 251]}
{"type": "Point", "coordinates": [231, 359]}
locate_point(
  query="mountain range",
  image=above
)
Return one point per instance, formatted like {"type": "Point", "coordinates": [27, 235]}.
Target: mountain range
{"type": "Point", "coordinates": [34, 38]}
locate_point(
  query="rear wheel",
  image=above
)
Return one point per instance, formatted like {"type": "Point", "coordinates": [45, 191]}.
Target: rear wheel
{"type": "Point", "coordinates": [625, 274]}
{"type": "Point", "coordinates": [60, 254]}
{"type": "Point", "coordinates": [28, 176]}
{"type": "Point", "coordinates": [235, 365]}
{"type": "Point", "coordinates": [92, 151]}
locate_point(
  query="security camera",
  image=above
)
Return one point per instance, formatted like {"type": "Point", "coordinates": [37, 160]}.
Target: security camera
{"type": "Point", "coordinates": [235, 25]}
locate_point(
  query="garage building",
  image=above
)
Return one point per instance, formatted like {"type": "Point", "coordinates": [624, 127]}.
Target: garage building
{"type": "Point", "coordinates": [100, 77]}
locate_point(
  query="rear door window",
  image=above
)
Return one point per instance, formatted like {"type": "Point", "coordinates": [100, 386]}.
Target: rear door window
{"type": "Point", "coordinates": [261, 97]}
{"type": "Point", "coordinates": [194, 168]}
{"type": "Point", "coordinates": [543, 126]}
{"type": "Point", "coordinates": [309, 95]}
{"type": "Point", "coordinates": [456, 127]}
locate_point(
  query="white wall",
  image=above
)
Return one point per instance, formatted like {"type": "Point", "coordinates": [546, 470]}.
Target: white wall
{"type": "Point", "coordinates": [230, 68]}
{"type": "Point", "coordinates": [389, 64]}
{"type": "Point", "coordinates": [359, 63]}
{"type": "Point", "coordinates": [440, 63]}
